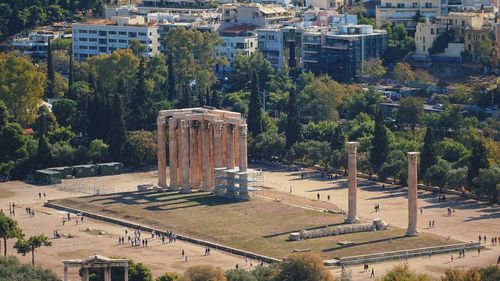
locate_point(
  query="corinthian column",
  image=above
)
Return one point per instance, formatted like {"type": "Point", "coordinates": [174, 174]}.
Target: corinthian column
{"type": "Point", "coordinates": [218, 145]}
{"type": "Point", "coordinates": [412, 194]}
{"type": "Point", "coordinates": [184, 143]}
{"type": "Point", "coordinates": [230, 146]}
{"type": "Point", "coordinates": [352, 215]}
{"type": "Point", "coordinates": [161, 153]}
{"type": "Point", "coordinates": [243, 164]}
{"type": "Point", "coordinates": [205, 156]}
{"type": "Point", "coordinates": [173, 159]}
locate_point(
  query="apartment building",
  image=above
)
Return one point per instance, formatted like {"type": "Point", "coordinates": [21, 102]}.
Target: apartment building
{"type": "Point", "coordinates": [281, 46]}
{"type": "Point", "coordinates": [324, 4]}
{"type": "Point", "coordinates": [341, 53]}
{"type": "Point", "coordinates": [179, 3]}
{"type": "Point", "coordinates": [37, 42]}
{"type": "Point", "coordinates": [496, 32]}
{"type": "Point", "coordinates": [474, 36]}
{"type": "Point", "coordinates": [404, 12]}
{"type": "Point", "coordinates": [260, 15]}
{"type": "Point", "coordinates": [237, 39]}
{"type": "Point", "coordinates": [106, 35]}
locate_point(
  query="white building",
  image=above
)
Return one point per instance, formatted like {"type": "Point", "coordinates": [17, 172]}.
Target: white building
{"type": "Point", "coordinates": [106, 35]}
{"type": "Point", "coordinates": [324, 4]}
{"type": "Point", "coordinates": [237, 39]}
{"type": "Point", "coordinates": [37, 42]}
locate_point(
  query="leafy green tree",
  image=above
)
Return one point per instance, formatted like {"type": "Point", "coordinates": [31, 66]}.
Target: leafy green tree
{"type": "Point", "coordinates": [138, 49]}
{"type": "Point", "coordinates": [293, 127]}
{"type": "Point", "coordinates": [71, 75]}
{"type": "Point", "coordinates": [34, 242]}
{"type": "Point", "coordinates": [320, 153]}
{"type": "Point", "coordinates": [303, 267]}
{"type": "Point", "coordinates": [168, 276]}
{"type": "Point", "coordinates": [411, 112]}
{"type": "Point", "coordinates": [321, 98]}
{"type": "Point", "coordinates": [320, 131]}
{"type": "Point", "coordinates": [244, 67]}
{"type": "Point", "coordinates": [239, 275]}
{"type": "Point", "coordinates": [13, 145]}
{"type": "Point", "coordinates": [429, 152]}
{"type": "Point", "coordinates": [12, 270]}
{"type": "Point", "coordinates": [62, 154]}
{"type": "Point", "coordinates": [488, 181]}
{"type": "Point", "coordinates": [268, 145]}
{"type": "Point", "coordinates": [98, 150]}
{"type": "Point", "coordinates": [380, 143]}
{"type": "Point", "coordinates": [490, 273]}
{"type": "Point", "coordinates": [255, 108]}
{"type": "Point", "coordinates": [44, 156]}
{"type": "Point", "coordinates": [204, 273]}
{"type": "Point", "coordinates": [402, 272]}
{"type": "Point", "coordinates": [299, 151]}
{"type": "Point", "coordinates": [61, 44]}
{"type": "Point", "coordinates": [264, 273]}
{"type": "Point", "coordinates": [455, 274]}
{"type": "Point", "coordinates": [8, 229]}
{"type": "Point", "coordinates": [478, 161]}
{"type": "Point", "coordinates": [484, 50]}
{"type": "Point", "coordinates": [141, 148]}
{"type": "Point", "coordinates": [437, 174]}
{"type": "Point", "coordinates": [453, 151]}
{"type": "Point", "coordinates": [374, 68]}
{"type": "Point", "coordinates": [395, 166]}
{"type": "Point", "coordinates": [21, 87]}
{"type": "Point", "coordinates": [172, 94]}
{"type": "Point", "coordinates": [46, 121]}
{"type": "Point", "coordinates": [117, 133]}
{"type": "Point", "coordinates": [139, 272]}
{"type": "Point", "coordinates": [140, 102]}
{"type": "Point", "coordinates": [338, 140]}
{"type": "Point", "coordinates": [403, 73]}
{"type": "Point", "coordinates": [63, 109]}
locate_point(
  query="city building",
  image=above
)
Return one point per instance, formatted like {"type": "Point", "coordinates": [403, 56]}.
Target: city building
{"type": "Point", "coordinates": [324, 4]}
{"type": "Point", "coordinates": [496, 32]}
{"type": "Point", "coordinates": [106, 35]}
{"type": "Point", "coordinates": [341, 53]}
{"type": "Point", "coordinates": [281, 46]}
{"type": "Point", "coordinates": [260, 15]}
{"type": "Point", "coordinates": [406, 12]}
{"type": "Point", "coordinates": [180, 3]}
{"type": "Point", "coordinates": [472, 38]}
{"type": "Point", "coordinates": [37, 42]}
{"type": "Point", "coordinates": [236, 39]}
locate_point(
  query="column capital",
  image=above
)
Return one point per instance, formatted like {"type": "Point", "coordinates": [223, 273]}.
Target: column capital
{"type": "Point", "coordinates": [243, 128]}
{"type": "Point", "coordinates": [352, 147]}
{"type": "Point", "coordinates": [218, 125]}
{"type": "Point", "coordinates": [413, 156]}
{"type": "Point", "coordinates": [160, 119]}
{"type": "Point", "coordinates": [172, 122]}
{"type": "Point", "coordinates": [206, 125]}
{"type": "Point", "coordinates": [184, 124]}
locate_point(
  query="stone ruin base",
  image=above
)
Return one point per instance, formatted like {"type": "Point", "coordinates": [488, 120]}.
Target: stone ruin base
{"type": "Point", "coordinates": [376, 224]}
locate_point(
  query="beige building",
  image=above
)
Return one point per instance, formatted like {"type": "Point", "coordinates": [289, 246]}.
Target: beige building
{"type": "Point", "coordinates": [472, 37]}
{"type": "Point", "coordinates": [260, 15]}
{"type": "Point", "coordinates": [403, 11]}
{"type": "Point", "coordinates": [425, 35]}
{"type": "Point", "coordinates": [459, 22]}
{"type": "Point", "coordinates": [324, 4]}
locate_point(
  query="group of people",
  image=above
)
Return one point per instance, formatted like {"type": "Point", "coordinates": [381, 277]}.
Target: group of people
{"type": "Point", "coordinates": [78, 220]}
{"type": "Point", "coordinates": [432, 224]}
{"type": "Point", "coordinates": [56, 234]}
{"type": "Point", "coordinates": [12, 209]}
{"type": "Point", "coordinates": [494, 240]}
{"type": "Point", "coordinates": [30, 211]}
{"type": "Point", "coordinates": [451, 211]}
{"type": "Point", "coordinates": [366, 268]}
{"type": "Point", "coordinates": [136, 240]}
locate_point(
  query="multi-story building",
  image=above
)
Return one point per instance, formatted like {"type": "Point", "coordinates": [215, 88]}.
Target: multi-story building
{"type": "Point", "coordinates": [471, 39]}
{"type": "Point", "coordinates": [236, 39]}
{"type": "Point", "coordinates": [406, 11]}
{"type": "Point", "coordinates": [106, 35]}
{"type": "Point", "coordinates": [341, 53]}
{"type": "Point", "coordinates": [281, 46]}
{"type": "Point", "coordinates": [496, 31]}
{"type": "Point", "coordinates": [260, 15]}
{"type": "Point", "coordinates": [324, 4]}
{"type": "Point", "coordinates": [37, 42]}
{"type": "Point", "coordinates": [180, 3]}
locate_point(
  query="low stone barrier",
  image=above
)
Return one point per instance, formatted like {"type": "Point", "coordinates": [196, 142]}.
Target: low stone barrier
{"type": "Point", "coordinates": [150, 229]}
{"type": "Point", "coordinates": [376, 224]}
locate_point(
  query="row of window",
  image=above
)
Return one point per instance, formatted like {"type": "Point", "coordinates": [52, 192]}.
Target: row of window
{"type": "Point", "coordinates": [104, 33]}
{"type": "Point", "coordinates": [414, 5]}
{"type": "Point", "coordinates": [105, 41]}
{"type": "Point", "coordinates": [238, 45]}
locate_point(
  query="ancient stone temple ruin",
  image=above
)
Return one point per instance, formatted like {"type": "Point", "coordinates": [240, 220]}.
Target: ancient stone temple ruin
{"type": "Point", "coordinates": [202, 141]}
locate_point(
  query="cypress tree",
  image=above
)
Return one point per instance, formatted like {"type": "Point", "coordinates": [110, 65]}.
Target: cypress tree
{"type": "Point", "coordinates": [338, 139]}
{"type": "Point", "coordinates": [293, 127]}
{"type": "Point", "coordinates": [140, 101]}
{"type": "Point", "coordinates": [93, 117]}
{"type": "Point", "coordinates": [117, 132]}
{"type": "Point", "coordinates": [70, 75]}
{"type": "Point", "coordinates": [49, 90]}
{"type": "Point", "coordinates": [478, 160]}
{"type": "Point", "coordinates": [171, 78]}
{"type": "Point", "coordinates": [380, 142]}
{"type": "Point", "coordinates": [215, 100]}
{"type": "Point", "coordinates": [429, 151]}
{"type": "Point", "coordinates": [186, 98]}
{"type": "Point", "coordinates": [43, 151]}
{"type": "Point", "coordinates": [255, 108]}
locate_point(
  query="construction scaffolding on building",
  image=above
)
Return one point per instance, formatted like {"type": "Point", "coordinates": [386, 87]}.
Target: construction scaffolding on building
{"type": "Point", "coordinates": [231, 183]}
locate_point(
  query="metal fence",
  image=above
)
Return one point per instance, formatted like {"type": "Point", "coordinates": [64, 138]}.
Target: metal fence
{"type": "Point", "coordinates": [77, 187]}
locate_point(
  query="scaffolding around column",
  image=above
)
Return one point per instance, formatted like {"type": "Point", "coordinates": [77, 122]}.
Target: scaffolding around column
{"type": "Point", "coordinates": [231, 183]}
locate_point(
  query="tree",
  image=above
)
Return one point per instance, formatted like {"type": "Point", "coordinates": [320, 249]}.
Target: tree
{"type": "Point", "coordinates": [303, 267]}
{"type": "Point", "coordinates": [429, 152]}
{"type": "Point", "coordinates": [488, 182]}
{"type": "Point", "coordinates": [437, 174]}
{"type": "Point", "coordinates": [374, 68]}
{"type": "Point", "coordinates": [62, 154]}
{"type": "Point", "coordinates": [402, 272]}
{"type": "Point", "coordinates": [71, 75]}
{"type": "Point", "coordinates": [264, 273]}
{"type": "Point", "coordinates": [338, 140]}
{"type": "Point", "coordinates": [13, 145]}
{"type": "Point", "coordinates": [49, 90]}
{"type": "Point", "coordinates": [63, 109]}
{"type": "Point", "coordinates": [21, 87]}
{"type": "Point", "coordinates": [244, 67]}
{"type": "Point", "coordinates": [293, 127]}
{"type": "Point", "coordinates": [478, 161]}
{"type": "Point", "coordinates": [138, 49]}
{"type": "Point", "coordinates": [395, 166]}
{"type": "Point", "coordinates": [268, 145]}
{"type": "Point", "coordinates": [8, 229]}
{"type": "Point", "coordinates": [139, 272]}
{"type": "Point", "coordinates": [321, 98]}
{"type": "Point", "coordinates": [455, 274]}
{"type": "Point", "coordinates": [140, 102]}
{"type": "Point", "coordinates": [44, 156]}
{"type": "Point", "coordinates": [141, 148]}
{"type": "Point", "coordinates": [168, 276]}
{"type": "Point", "coordinates": [484, 50]}
{"type": "Point", "coordinates": [490, 273]}
{"type": "Point", "coordinates": [411, 112]}
{"type": "Point", "coordinates": [255, 108]}
{"type": "Point", "coordinates": [98, 150]}
{"type": "Point", "coordinates": [117, 133]}
{"type": "Point", "coordinates": [12, 269]}
{"type": "Point", "coordinates": [172, 94]}
{"type": "Point", "coordinates": [204, 273]}
{"type": "Point", "coordinates": [380, 143]}
{"type": "Point", "coordinates": [403, 73]}
{"type": "Point", "coordinates": [239, 275]}
{"type": "Point", "coordinates": [457, 178]}
{"type": "Point", "coordinates": [34, 242]}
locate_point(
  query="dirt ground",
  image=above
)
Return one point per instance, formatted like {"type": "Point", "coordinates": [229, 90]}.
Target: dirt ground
{"type": "Point", "coordinates": [469, 220]}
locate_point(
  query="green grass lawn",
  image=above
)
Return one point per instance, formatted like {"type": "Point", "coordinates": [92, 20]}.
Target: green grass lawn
{"type": "Point", "coordinates": [258, 225]}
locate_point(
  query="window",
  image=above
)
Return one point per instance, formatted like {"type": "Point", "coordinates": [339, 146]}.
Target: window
{"type": "Point", "coordinates": [82, 31]}
{"type": "Point", "coordinates": [423, 40]}
{"type": "Point", "coordinates": [93, 39]}
{"type": "Point", "coordinates": [132, 34]}
{"type": "Point", "coordinates": [468, 37]}
{"type": "Point", "coordinates": [93, 47]}
{"type": "Point", "coordinates": [112, 40]}
{"type": "Point", "coordinates": [388, 5]}
{"type": "Point", "coordinates": [423, 47]}
{"type": "Point", "coordinates": [142, 33]}
{"type": "Point", "coordinates": [112, 32]}
{"type": "Point", "coordinates": [93, 31]}
{"type": "Point", "coordinates": [469, 47]}
{"type": "Point", "coordinates": [122, 41]}
{"type": "Point", "coordinates": [102, 33]}
{"type": "Point", "coordinates": [251, 44]}
{"type": "Point", "coordinates": [84, 47]}
{"type": "Point", "coordinates": [400, 5]}
{"type": "Point", "coordinates": [428, 5]}
{"type": "Point", "coordinates": [122, 33]}
{"type": "Point", "coordinates": [103, 49]}
{"type": "Point", "coordinates": [415, 5]}
{"type": "Point", "coordinates": [102, 41]}
{"type": "Point", "coordinates": [144, 42]}
{"type": "Point", "coordinates": [85, 39]}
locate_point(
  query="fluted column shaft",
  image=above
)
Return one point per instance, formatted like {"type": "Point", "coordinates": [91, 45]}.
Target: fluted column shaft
{"type": "Point", "coordinates": [161, 153]}
{"type": "Point", "coordinates": [242, 142]}
{"type": "Point", "coordinates": [173, 153]}
{"type": "Point", "coordinates": [230, 147]}
{"type": "Point", "coordinates": [218, 145]}
{"type": "Point", "coordinates": [352, 183]}
{"type": "Point", "coordinates": [205, 159]}
{"type": "Point", "coordinates": [412, 194]}
{"type": "Point", "coordinates": [186, 187]}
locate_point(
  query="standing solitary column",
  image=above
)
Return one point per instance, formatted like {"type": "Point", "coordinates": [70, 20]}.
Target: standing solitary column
{"type": "Point", "coordinates": [218, 145]}
{"type": "Point", "coordinates": [412, 194]}
{"type": "Point", "coordinates": [352, 214]}
{"type": "Point", "coordinates": [205, 156]}
{"type": "Point", "coordinates": [243, 164]}
{"type": "Point", "coordinates": [230, 146]}
{"type": "Point", "coordinates": [161, 153]}
{"type": "Point", "coordinates": [184, 141]}
{"type": "Point", "coordinates": [173, 159]}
